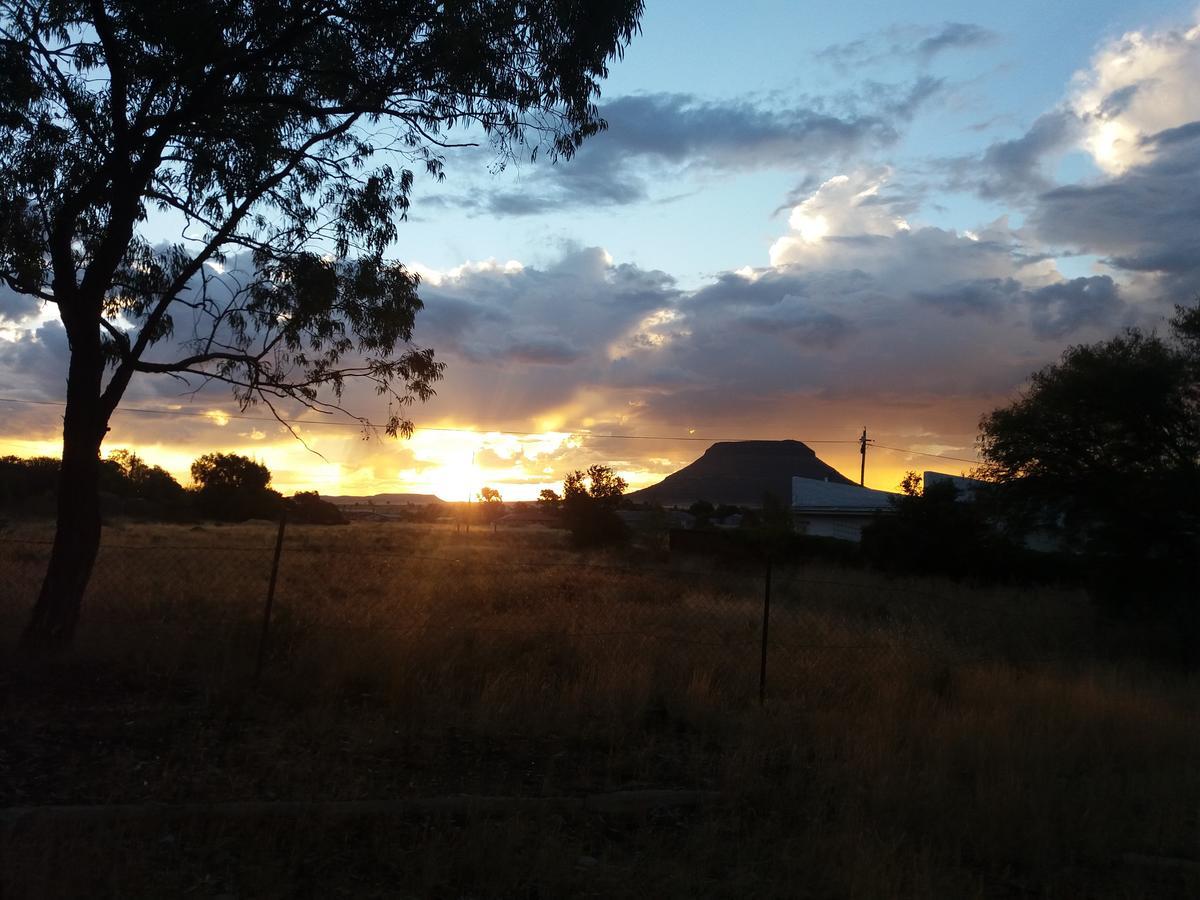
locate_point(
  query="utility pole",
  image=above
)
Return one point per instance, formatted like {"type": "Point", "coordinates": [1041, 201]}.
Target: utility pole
{"type": "Point", "coordinates": [469, 492]}
{"type": "Point", "coordinates": [862, 449]}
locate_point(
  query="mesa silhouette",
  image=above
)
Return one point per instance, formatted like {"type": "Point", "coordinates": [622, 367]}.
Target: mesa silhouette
{"type": "Point", "coordinates": [741, 473]}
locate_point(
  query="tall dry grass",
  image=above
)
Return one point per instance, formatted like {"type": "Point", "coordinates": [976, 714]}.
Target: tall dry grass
{"type": "Point", "coordinates": [920, 738]}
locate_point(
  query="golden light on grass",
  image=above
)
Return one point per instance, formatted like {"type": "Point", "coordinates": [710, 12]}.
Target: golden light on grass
{"type": "Point", "coordinates": [920, 739]}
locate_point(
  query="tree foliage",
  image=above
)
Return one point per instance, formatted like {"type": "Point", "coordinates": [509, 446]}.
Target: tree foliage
{"type": "Point", "coordinates": [234, 488]}
{"type": "Point", "coordinates": [147, 482]}
{"type": "Point", "coordinates": [931, 530]}
{"type": "Point", "coordinates": [1103, 447]}
{"type": "Point", "coordinates": [590, 501]}
{"type": "Point", "coordinates": [285, 136]}
{"type": "Point", "coordinates": [491, 505]}
{"type": "Point", "coordinates": [307, 508]}
{"type": "Point", "coordinates": [123, 475]}
{"type": "Point", "coordinates": [281, 139]}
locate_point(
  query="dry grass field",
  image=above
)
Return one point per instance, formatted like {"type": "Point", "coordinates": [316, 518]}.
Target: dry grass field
{"type": "Point", "coordinates": [919, 738]}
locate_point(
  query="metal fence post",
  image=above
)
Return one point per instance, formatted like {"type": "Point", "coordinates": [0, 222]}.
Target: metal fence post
{"type": "Point", "coordinates": [266, 625]}
{"type": "Point", "coordinates": [766, 624]}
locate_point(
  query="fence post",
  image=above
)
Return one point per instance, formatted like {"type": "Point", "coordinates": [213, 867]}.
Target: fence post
{"type": "Point", "coordinates": [266, 625]}
{"type": "Point", "coordinates": [766, 624]}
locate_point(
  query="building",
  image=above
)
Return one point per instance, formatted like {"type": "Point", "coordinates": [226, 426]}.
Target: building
{"type": "Point", "coordinates": [828, 509]}
{"type": "Point", "coordinates": [966, 488]}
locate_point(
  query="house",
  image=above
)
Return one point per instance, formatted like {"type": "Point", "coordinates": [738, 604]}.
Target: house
{"type": "Point", "coordinates": [828, 509]}
{"type": "Point", "coordinates": [966, 488]}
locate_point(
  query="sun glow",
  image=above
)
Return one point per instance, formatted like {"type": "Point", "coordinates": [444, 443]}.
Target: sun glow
{"type": "Point", "coordinates": [811, 228]}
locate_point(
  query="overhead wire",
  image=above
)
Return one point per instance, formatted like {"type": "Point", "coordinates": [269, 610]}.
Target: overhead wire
{"type": "Point", "coordinates": [216, 416]}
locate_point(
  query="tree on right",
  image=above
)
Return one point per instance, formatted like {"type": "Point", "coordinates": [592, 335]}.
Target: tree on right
{"type": "Point", "coordinates": [1102, 452]}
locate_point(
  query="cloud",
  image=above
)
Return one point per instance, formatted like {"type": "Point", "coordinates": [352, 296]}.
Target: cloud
{"type": "Point", "coordinates": [859, 311]}
{"type": "Point", "coordinates": [1016, 169]}
{"type": "Point", "coordinates": [1059, 310]}
{"type": "Point", "coordinates": [1136, 87]}
{"type": "Point", "coordinates": [666, 137]}
{"type": "Point", "coordinates": [16, 308]}
{"type": "Point", "coordinates": [954, 36]}
{"type": "Point", "coordinates": [1140, 122]}
{"type": "Point", "coordinates": [918, 43]}
{"type": "Point", "coordinates": [863, 309]}
{"type": "Point", "coordinates": [1144, 220]}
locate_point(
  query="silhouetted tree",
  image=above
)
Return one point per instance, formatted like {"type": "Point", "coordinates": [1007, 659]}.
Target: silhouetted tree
{"type": "Point", "coordinates": [23, 479]}
{"type": "Point", "coordinates": [234, 488]}
{"type": "Point", "coordinates": [1103, 451]}
{"type": "Point", "coordinates": [548, 499]}
{"type": "Point", "coordinates": [932, 531]}
{"type": "Point", "coordinates": [147, 482]}
{"type": "Point", "coordinates": [1103, 447]}
{"type": "Point", "coordinates": [257, 124]}
{"type": "Point", "coordinates": [590, 503]}
{"type": "Point", "coordinates": [307, 508]}
{"type": "Point", "coordinates": [491, 505]}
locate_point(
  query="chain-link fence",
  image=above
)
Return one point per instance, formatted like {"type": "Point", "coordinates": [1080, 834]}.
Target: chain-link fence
{"type": "Point", "coordinates": [488, 608]}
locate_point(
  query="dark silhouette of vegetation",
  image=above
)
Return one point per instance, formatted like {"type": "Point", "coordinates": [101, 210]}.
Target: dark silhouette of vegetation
{"type": "Point", "coordinates": [549, 499]}
{"type": "Point", "coordinates": [933, 531]}
{"type": "Point", "coordinates": [1102, 452]}
{"type": "Point", "coordinates": [589, 507]}
{"type": "Point", "coordinates": [307, 508]}
{"type": "Point", "coordinates": [234, 488]}
{"type": "Point", "coordinates": [30, 486]}
{"type": "Point", "coordinates": [260, 126]}
{"type": "Point", "coordinates": [491, 506]}
{"type": "Point", "coordinates": [21, 480]}
{"type": "Point", "coordinates": [1103, 448]}
{"type": "Point", "coordinates": [136, 478]}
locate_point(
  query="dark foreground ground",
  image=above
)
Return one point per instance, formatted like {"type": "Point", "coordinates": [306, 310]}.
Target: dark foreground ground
{"type": "Point", "coordinates": [498, 717]}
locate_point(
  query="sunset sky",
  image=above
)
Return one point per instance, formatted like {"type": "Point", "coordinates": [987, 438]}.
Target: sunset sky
{"type": "Point", "coordinates": [803, 219]}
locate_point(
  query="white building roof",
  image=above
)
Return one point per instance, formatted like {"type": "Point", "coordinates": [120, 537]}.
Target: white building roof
{"type": "Point", "coordinates": [827, 496]}
{"type": "Point", "coordinates": [966, 487]}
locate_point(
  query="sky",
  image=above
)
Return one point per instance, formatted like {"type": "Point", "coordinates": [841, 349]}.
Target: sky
{"type": "Point", "coordinates": [801, 221]}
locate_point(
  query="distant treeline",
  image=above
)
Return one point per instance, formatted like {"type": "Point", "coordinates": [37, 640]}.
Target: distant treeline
{"type": "Point", "coordinates": [225, 487]}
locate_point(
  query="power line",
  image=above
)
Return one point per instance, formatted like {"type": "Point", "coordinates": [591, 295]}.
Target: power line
{"type": "Point", "coordinates": [934, 455]}
{"type": "Point", "coordinates": [212, 417]}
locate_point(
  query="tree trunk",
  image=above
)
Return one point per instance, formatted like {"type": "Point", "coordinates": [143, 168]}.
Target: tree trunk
{"type": "Point", "coordinates": [77, 535]}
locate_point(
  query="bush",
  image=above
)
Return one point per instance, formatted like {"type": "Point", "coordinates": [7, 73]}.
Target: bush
{"type": "Point", "coordinates": [935, 534]}
{"type": "Point", "coordinates": [307, 508]}
{"type": "Point", "coordinates": [589, 507]}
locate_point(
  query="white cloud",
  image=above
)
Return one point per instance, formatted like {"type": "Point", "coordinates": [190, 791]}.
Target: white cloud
{"type": "Point", "coordinates": [1137, 86]}
{"type": "Point", "coordinates": [845, 206]}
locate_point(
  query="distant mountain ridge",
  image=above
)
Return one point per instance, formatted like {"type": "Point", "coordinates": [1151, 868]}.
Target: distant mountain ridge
{"type": "Point", "coordinates": [739, 473]}
{"type": "Point", "coordinates": [386, 500]}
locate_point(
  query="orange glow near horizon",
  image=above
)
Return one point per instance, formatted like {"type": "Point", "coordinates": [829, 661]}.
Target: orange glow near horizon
{"type": "Point", "coordinates": [456, 464]}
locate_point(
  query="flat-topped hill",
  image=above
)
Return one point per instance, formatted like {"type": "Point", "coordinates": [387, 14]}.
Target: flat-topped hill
{"type": "Point", "coordinates": [739, 473]}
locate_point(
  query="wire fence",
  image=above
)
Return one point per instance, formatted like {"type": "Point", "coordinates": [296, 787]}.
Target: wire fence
{"type": "Point", "coordinates": [761, 630]}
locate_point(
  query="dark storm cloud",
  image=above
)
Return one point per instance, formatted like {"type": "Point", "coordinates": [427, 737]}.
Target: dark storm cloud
{"type": "Point", "coordinates": [548, 350]}
{"type": "Point", "coordinates": [681, 128]}
{"type": "Point", "coordinates": [35, 364]}
{"type": "Point", "coordinates": [919, 43]}
{"type": "Point", "coordinates": [1013, 169]}
{"type": "Point", "coordinates": [1061, 309]}
{"type": "Point", "coordinates": [16, 308]}
{"type": "Point", "coordinates": [803, 327]}
{"type": "Point", "coordinates": [673, 133]}
{"type": "Point", "coordinates": [983, 296]}
{"type": "Point", "coordinates": [562, 315]}
{"type": "Point", "coordinates": [1144, 220]}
